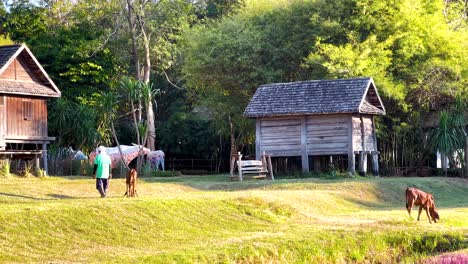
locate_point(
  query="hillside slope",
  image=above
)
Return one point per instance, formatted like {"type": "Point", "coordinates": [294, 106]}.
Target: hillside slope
{"type": "Point", "coordinates": [209, 219]}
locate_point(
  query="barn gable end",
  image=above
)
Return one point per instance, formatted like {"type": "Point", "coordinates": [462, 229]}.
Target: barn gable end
{"type": "Point", "coordinates": [22, 74]}
{"type": "Point", "coordinates": [371, 102]}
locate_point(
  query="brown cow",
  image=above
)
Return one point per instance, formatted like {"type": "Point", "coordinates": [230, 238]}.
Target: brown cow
{"type": "Point", "coordinates": [424, 200]}
{"type": "Point", "coordinates": [131, 182]}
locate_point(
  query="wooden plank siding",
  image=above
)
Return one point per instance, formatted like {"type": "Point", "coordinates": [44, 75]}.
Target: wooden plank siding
{"type": "Point", "coordinates": [357, 135]}
{"type": "Point", "coordinates": [323, 135]}
{"type": "Point", "coordinates": [2, 122]}
{"type": "Point", "coordinates": [369, 133]}
{"type": "Point", "coordinates": [18, 70]}
{"type": "Point", "coordinates": [316, 135]}
{"type": "Point", "coordinates": [280, 137]}
{"type": "Point", "coordinates": [369, 137]}
{"type": "Point", "coordinates": [26, 117]}
{"type": "Point", "coordinates": [327, 134]}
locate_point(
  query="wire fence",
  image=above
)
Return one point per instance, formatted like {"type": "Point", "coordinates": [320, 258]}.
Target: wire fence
{"type": "Point", "coordinates": [70, 167]}
{"type": "Point", "coordinates": [280, 165]}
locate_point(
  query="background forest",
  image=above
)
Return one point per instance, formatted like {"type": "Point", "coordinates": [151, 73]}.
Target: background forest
{"type": "Point", "coordinates": [202, 60]}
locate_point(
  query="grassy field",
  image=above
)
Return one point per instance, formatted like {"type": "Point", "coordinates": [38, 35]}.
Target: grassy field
{"type": "Point", "coordinates": [208, 219]}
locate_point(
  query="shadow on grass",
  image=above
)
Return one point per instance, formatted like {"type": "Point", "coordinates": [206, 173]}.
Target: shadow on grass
{"type": "Point", "coordinates": [389, 192]}
{"type": "Point", "coordinates": [61, 196]}
{"type": "Point", "coordinates": [23, 196]}
{"type": "Point", "coordinates": [212, 182]}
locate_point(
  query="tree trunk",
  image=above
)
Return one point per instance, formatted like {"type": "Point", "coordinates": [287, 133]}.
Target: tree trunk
{"type": "Point", "coordinates": [150, 143]}
{"type": "Point", "coordinates": [151, 129]}
{"type": "Point", "coordinates": [131, 27]}
{"type": "Point", "coordinates": [232, 137]}
{"type": "Point", "coordinates": [114, 134]}
{"type": "Point", "coordinates": [466, 156]}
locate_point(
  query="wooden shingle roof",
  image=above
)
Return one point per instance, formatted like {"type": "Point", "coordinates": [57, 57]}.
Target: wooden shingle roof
{"type": "Point", "coordinates": [358, 95]}
{"type": "Point", "coordinates": [42, 84]}
{"type": "Point", "coordinates": [6, 53]}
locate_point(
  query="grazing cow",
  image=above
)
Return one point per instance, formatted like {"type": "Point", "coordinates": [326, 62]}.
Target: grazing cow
{"type": "Point", "coordinates": [424, 200]}
{"type": "Point", "coordinates": [131, 183]}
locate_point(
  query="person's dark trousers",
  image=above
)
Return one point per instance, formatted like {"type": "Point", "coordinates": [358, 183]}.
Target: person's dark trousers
{"type": "Point", "coordinates": [101, 186]}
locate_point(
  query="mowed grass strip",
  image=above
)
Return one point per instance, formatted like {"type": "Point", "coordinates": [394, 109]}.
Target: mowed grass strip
{"type": "Point", "coordinates": [208, 219]}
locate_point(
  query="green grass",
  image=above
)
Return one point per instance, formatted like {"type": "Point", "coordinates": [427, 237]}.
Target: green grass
{"type": "Point", "coordinates": [208, 219]}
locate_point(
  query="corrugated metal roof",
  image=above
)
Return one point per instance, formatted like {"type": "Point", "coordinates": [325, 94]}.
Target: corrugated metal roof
{"type": "Point", "coordinates": [314, 97]}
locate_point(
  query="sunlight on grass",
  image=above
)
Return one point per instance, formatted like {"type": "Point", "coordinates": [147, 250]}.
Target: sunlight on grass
{"type": "Point", "coordinates": [206, 219]}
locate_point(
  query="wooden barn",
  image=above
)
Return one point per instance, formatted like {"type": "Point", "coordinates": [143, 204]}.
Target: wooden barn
{"type": "Point", "coordinates": [24, 90]}
{"type": "Point", "coordinates": [317, 118]}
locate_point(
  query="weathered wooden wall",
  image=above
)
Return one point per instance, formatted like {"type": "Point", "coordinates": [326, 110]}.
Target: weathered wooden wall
{"type": "Point", "coordinates": [18, 70]}
{"type": "Point", "coordinates": [369, 135]}
{"type": "Point", "coordinates": [2, 122]}
{"type": "Point", "coordinates": [324, 135]}
{"type": "Point", "coordinates": [17, 126]}
{"type": "Point", "coordinates": [280, 137]}
{"type": "Point", "coordinates": [315, 135]}
{"type": "Point", "coordinates": [328, 134]}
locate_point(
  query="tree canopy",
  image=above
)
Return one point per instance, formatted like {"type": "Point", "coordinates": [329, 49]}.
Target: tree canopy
{"type": "Point", "coordinates": [206, 58]}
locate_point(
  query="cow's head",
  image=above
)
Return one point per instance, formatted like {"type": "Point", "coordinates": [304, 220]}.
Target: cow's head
{"type": "Point", "coordinates": [434, 214]}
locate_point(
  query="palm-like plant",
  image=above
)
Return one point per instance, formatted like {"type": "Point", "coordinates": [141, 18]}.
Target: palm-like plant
{"type": "Point", "coordinates": [446, 137]}
{"type": "Point", "coordinates": [108, 107]}
{"type": "Point", "coordinates": [142, 94]}
{"type": "Point", "coordinates": [460, 123]}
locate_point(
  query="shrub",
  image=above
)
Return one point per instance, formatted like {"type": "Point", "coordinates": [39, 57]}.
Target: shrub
{"type": "Point", "coordinates": [40, 173]}
{"type": "Point", "coordinates": [146, 168]}
{"type": "Point", "coordinates": [28, 169]}
{"type": "Point", "coordinates": [88, 168]}
{"type": "Point", "coordinates": [4, 168]}
{"type": "Point", "coordinates": [194, 172]}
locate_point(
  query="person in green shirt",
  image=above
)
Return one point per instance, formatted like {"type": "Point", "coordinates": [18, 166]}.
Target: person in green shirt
{"type": "Point", "coordinates": [102, 171]}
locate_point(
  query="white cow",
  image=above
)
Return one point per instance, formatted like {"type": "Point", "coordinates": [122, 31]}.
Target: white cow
{"type": "Point", "coordinates": [129, 153]}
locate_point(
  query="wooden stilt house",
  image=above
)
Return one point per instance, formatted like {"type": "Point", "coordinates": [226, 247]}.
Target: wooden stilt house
{"type": "Point", "coordinates": [24, 90]}
{"type": "Point", "coordinates": [317, 118]}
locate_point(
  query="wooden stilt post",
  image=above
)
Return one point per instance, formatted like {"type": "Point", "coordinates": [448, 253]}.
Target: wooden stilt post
{"type": "Point", "coordinates": [363, 163]}
{"type": "Point", "coordinates": [351, 158]}
{"type": "Point", "coordinates": [305, 155]}
{"type": "Point", "coordinates": [270, 167]}
{"type": "Point", "coordinates": [37, 167]}
{"type": "Point", "coordinates": [375, 163]}
{"type": "Point", "coordinates": [363, 153]}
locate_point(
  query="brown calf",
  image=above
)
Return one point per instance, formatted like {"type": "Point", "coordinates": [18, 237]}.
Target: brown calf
{"type": "Point", "coordinates": [424, 200]}
{"type": "Point", "coordinates": [131, 183]}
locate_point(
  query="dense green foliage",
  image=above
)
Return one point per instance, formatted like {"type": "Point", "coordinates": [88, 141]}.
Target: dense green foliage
{"type": "Point", "coordinates": [209, 219]}
{"type": "Point", "coordinates": [418, 61]}
{"type": "Point", "coordinates": [207, 58]}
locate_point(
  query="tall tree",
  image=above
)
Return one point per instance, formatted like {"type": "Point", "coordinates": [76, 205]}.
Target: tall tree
{"type": "Point", "coordinates": [153, 28]}
{"type": "Point", "coordinates": [226, 60]}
